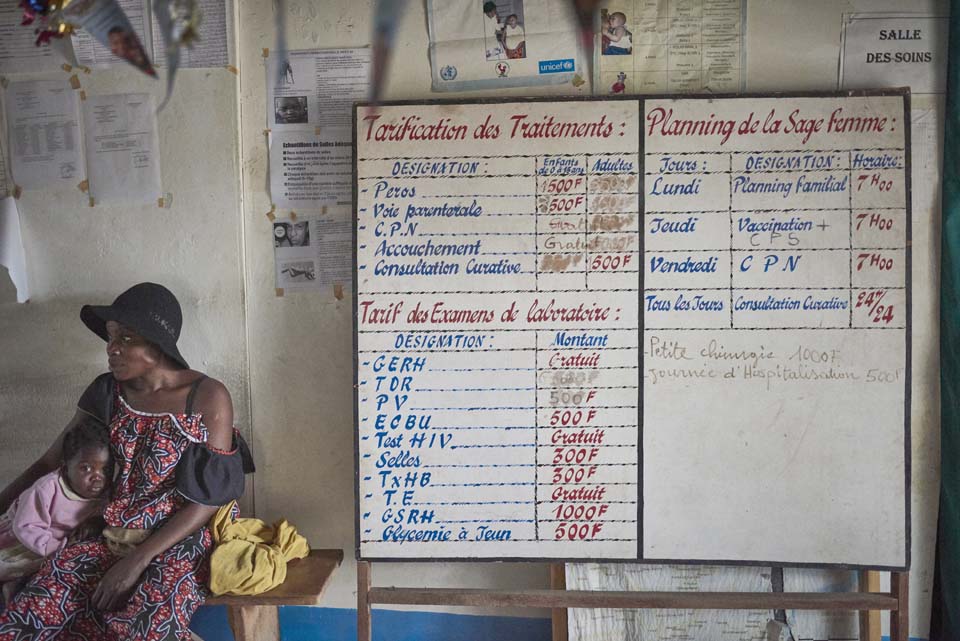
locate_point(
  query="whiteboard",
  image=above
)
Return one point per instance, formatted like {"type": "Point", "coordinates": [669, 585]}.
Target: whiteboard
{"type": "Point", "coordinates": [647, 329]}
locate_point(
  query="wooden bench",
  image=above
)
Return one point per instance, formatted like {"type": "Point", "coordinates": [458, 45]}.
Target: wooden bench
{"type": "Point", "coordinates": [255, 618]}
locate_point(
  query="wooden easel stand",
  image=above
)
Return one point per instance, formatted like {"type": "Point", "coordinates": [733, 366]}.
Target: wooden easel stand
{"type": "Point", "coordinates": [896, 601]}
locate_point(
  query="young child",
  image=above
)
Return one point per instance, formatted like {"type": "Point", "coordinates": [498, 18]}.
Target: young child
{"type": "Point", "coordinates": [513, 38]}
{"type": "Point", "coordinates": [617, 39]}
{"type": "Point", "coordinates": [40, 520]}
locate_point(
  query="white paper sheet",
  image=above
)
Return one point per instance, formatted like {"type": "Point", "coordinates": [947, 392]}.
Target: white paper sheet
{"type": "Point", "coordinates": [122, 148]}
{"type": "Point", "coordinates": [44, 134]}
{"type": "Point", "coordinates": [315, 88]}
{"type": "Point", "coordinates": [210, 47]}
{"type": "Point", "coordinates": [5, 183]}
{"type": "Point", "coordinates": [308, 170]}
{"type": "Point", "coordinates": [313, 253]}
{"type": "Point", "coordinates": [18, 53]}
{"type": "Point", "coordinates": [894, 50]}
{"type": "Point", "coordinates": [667, 625]}
{"type": "Point", "coordinates": [310, 96]}
{"type": "Point", "coordinates": [12, 255]}
{"type": "Point", "coordinates": [669, 46]}
{"type": "Point", "coordinates": [93, 54]}
{"type": "Point", "coordinates": [522, 43]}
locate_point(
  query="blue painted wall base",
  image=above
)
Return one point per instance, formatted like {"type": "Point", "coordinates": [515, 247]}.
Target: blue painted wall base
{"type": "Point", "coordinates": [340, 624]}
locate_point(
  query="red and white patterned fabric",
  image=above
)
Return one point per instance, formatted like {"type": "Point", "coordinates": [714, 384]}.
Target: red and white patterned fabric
{"type": "Point", "coordinates": [56, 602]}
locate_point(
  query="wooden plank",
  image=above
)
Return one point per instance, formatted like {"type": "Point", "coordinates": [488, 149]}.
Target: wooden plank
{"type": "Point", "coordinates": [254, 622]}
{"type": "Point", "coordinates": [900, 618]}
{"type": "Point", "coordinates": [558, 616]}
{"type": "Point", "coordinates": [613, 599]}
{"type": "Point", "coordinates": [306, 581]}
{"type": "Point", "coordinates": [869, 619]}
{"type": "Point", "coordinates": [364, 623]}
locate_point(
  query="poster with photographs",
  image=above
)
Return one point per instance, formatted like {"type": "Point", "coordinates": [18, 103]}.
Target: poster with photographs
{"type": "Point", "coordinates": [310, 96]}
{"type": "Point", "coordinates": [484, 44]}
{"type": "Point", "coordinates": [669, 46]}
{"type": "Point", "coordinates": [313, 253]}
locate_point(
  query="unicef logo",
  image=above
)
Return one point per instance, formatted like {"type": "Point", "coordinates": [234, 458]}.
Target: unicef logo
{"type": "Point", "coordinates": [568, 65]}
{"type": "Point", "coordinates": [448, 73]}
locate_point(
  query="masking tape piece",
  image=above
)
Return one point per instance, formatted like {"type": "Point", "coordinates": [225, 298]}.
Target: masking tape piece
{"type": "Point", "coordinates": [316, 131]}
{"type": "Point", "coordinates": [87, 70]}
{"type": "Point", "coordinates": [233, 70]}
{"type": "Point", "coordinates": [83, 95]}
{"type": "Point", "coordinates": [578, 80]}
{"type": "Point", "coordinates": [66, 67]}
{"type": "Point", "coordinates": [338, 291]}
{"type": "Point", "coordinates": [279, 291]}
{"type": "Point", "coordinates": [74, 81]}
{"type": "Point", "coordinates": [270, 214]}
{"type": "Point", "coordinates": [323, 210]}
{"type": "Point", "coordinates": [293, 215]}
{"type": "Point", "coordinates": [17, 192]}
{"type": "Point", "coordinates": [92, 201]}
{"type": "Point", "coordinates": [3, 81]}
{"type": "Point", "coordinates": [84, 186]}
{"type": "Point", "coordinates": [160, 202]}
{"type": "Point", "coordinates": [266, 52]}
{"type": "Point", "coordinates": [266, 132]}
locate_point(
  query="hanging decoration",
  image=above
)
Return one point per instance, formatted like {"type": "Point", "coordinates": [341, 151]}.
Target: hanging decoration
{"type": "Point", "coordinates": [179, 23]}
{"type": "Point", "coordinates": [103, 19]}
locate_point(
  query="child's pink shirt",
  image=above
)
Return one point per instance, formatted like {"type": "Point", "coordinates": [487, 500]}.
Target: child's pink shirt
{"type": "Point", "coordinates": [44, 515]}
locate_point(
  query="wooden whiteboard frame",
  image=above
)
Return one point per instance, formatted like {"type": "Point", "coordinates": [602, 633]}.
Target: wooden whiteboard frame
{"type": "Point", "coordinates": [903, 93]}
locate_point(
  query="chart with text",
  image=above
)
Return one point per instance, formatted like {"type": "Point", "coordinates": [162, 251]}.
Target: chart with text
{"type": "Point", "coordinates": [655, 329]}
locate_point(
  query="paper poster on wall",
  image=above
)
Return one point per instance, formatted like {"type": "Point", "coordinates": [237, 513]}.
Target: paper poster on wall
{"type": "Point", "coordinates": [5, 183]}
{"type": "Point", "coordinates": [122, 148]}
{"type": "Point", "coordinates": [111, 31]}
{"type": "Point", "coordinates": [502, 43]}
{"type": "Point", "coordinates": [669, 46]}
{"type": "Point", "coordinates": [315, 88]}
{"type": "Point", "coordinates": [308, 171]}
{"type": "Point", "coordinates": [312, 253]}
{"type": "Point", "coordinates": [12, 255]}
{"type": "Point", "coordinates": [209, 48]}
{"type": "Point", "coordinates": [19, 52]}
{"type": "Point", "coordinates": [310, 95]}
{"type": "Point", "coordinates": [43, 133]}
{"type": "Point", "coordinates": [894, 50]}
{"type": "Point", "coordinates": [595, 624]}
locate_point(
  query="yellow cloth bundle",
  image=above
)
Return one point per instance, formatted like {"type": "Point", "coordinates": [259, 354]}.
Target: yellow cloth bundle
{"type": "Point", "coordinates": [250, 557]}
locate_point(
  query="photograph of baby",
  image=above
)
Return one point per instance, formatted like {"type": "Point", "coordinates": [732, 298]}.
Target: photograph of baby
{"type": "Point", "coordinates": [299, 272]}
{"type": "Point", "coordinates": [291, 234]}
{"type": "Point", "coordinates": [617, 38]}
{"type": "Point", "coordinates": [503, 33]}
{"type": "Point", "coordinates": [290, 110]}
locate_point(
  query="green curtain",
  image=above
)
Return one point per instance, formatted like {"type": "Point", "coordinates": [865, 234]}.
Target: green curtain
{"type": "Point", "coordinates": [945, 623]}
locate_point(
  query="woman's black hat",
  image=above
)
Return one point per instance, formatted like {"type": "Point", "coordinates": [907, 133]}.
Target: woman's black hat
{"type": "Point", "coordinates": [151, 310]}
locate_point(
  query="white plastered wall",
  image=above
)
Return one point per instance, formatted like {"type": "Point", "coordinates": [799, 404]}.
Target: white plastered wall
{"type": "Point", "coordinates": [288, 360]}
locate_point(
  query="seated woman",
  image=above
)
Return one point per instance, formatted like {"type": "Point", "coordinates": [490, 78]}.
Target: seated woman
{"type": "Point", "coordinates": [177, 458]}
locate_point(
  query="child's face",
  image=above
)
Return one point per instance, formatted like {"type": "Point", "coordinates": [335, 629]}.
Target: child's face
{"type": "Point", "coordinates": [490, 14]}
{"type": "Point", "coordinates": [298, 232]}
{"type": "Point", "coordinates": [87, 471]}
{"type": "Point", "coordinates": [290, 110]}
{"type": "Point", "coordinates": [512, 21]}
{"type": "Point", "coordinates": [615, 21]}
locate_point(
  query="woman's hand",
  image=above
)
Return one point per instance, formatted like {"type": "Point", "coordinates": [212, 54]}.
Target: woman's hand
{"type": "Point", "coordinates": [118, 583]}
